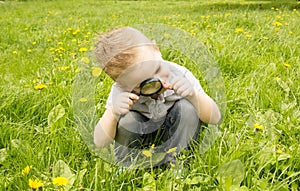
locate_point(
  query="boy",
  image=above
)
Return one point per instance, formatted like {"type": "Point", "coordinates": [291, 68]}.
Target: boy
{"type": "Point", "coordinates": [153, 103]}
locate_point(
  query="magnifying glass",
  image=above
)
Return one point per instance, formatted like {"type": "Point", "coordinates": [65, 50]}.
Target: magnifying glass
{"type": "Point", "coordinates": [151, 87]}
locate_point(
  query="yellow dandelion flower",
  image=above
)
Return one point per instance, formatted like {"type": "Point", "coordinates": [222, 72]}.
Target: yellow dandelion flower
{"type": "Point", "coordinates": [85, 60]}
{"type": "Point", "coordinates": [55, 59]}
{"type": "Point", "coordinates": [49, 40]}
{"type": "Point", "coordinates": [78, 70]}
{"type": "Point", "coordinates": [74, 40]}
{"type": "Point", "coordinates": [26, 170]}
{"type": "Point", "coordinates": [152, 146]}
{"type": "Point", "coordinates": [29, 50]}
{"type": "Point", "coordinates": [15, 52]}
{"type": "Point", "coordinates": [171, 150]}
{"type": "Point", "coordinates": [166, 35]}
{"type": "Point", "coordinates": [239, 30]}
{"type": "Point", "coordinates": [291, 32]}
{"type": "Point", "coordinates": [60, 49]}
{"type": "Point", "coordinates": [287, 65]}
{"type": "Point", "coordinates": [227, 14]}
{"type": "Point", "coordinates": [72, 54]}
{"type": "Point", "coordinates": [83, 49]}
{"type": "Point", "coordinates": [34, 43]}
{"type": "Point", "coordinates": [76, 32]}
{"type": "Point", "coordinates": [277, 78]}
{"type": "Point", "coordinates": [277, 24]}
{"type": "Point", "coordinates": [258, 127]}
{"type": "Point", "coordinates": [40, 86]}
{"type": "Point", "coordinates": [147, 153]}
{"type": "Point", "coordinates": [60, 181]}
{"type": "Point", "coordinates": [60, 43]}
{"type": "Point", "coordinates": [279, 151]}
{"type": "Point", "coordinates": [266, 38]}
{"type": "Point", "coordinates": [35, 184]}
{"type": "Point", "coordinates": [96, 71]}
{"type": "Point", "coordinates": [83, 99]}
{"type": "Point", "coordinates": [63, 68]}
{"type": "Point", "coordinates": [172, 164]}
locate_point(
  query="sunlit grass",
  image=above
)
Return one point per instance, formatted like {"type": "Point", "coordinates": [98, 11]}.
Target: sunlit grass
{"type": "Point", "coordinates": [255, 43]}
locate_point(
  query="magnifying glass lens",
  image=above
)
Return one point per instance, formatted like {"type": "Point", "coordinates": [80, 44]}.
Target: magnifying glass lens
{"type": "Point", "coordinates": [150, 87]}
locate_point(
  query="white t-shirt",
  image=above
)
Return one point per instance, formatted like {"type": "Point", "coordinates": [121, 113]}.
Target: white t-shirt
{"type": "Point", "coordinates": [157, 108]}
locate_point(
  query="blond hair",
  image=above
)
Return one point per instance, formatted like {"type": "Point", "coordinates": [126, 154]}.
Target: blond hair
{"type": "Point", "coordinates": [116, 50]}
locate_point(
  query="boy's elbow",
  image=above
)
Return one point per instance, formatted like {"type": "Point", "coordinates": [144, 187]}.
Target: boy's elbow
{"type": "Point", "coordinates": [216, 118]}
{"type": "Point", "coordinates": [101, 143]}
{"type": "Point", "coordinates": [97, 143]}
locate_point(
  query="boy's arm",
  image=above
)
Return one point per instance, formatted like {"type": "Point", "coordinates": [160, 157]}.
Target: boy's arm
{"type": "Point", "coordinates": [105, 130]}
{"type": "Point", "coordinates": [189, 87]}
{"type": "Point", "coordinates": [206, 108]}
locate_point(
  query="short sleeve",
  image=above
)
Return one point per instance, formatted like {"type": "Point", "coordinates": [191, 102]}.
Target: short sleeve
{"type": "Point", "coordinates": [194, 81]}
{"type": "Point", "coordinates": [187, 74]}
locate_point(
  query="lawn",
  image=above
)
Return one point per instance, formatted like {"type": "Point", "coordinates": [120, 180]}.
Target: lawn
{"type": "Point", "coordinates": [45, 47]}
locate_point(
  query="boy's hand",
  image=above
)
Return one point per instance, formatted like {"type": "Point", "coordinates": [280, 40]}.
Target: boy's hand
{"type": "Point", "coordinates": [123, 102]}
{"type": "Point", "coordinates": [182, 86]}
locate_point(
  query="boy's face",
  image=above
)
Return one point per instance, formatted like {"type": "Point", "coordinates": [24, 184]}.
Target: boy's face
{"type": "Point", "coordinates": [148, 64]}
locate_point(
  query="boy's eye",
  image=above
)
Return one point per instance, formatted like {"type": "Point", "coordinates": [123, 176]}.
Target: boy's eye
{"type": "Point", "coordinates": [136, 89]}
{"type": "Point", "coordinates": [158, 69]}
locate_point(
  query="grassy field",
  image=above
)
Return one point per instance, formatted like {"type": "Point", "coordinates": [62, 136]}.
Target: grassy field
{"type": "Point", "coordinates": [256, 45]}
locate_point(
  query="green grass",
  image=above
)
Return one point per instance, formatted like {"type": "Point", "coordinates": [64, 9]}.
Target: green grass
{"type": "Point", "coordinates": [255, 44]}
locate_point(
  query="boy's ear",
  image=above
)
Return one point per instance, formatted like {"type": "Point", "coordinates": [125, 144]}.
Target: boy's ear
{"type": "Point", "coordinates": [156, 47]}
{"type": "Point", "coordinates": [156, 50]}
